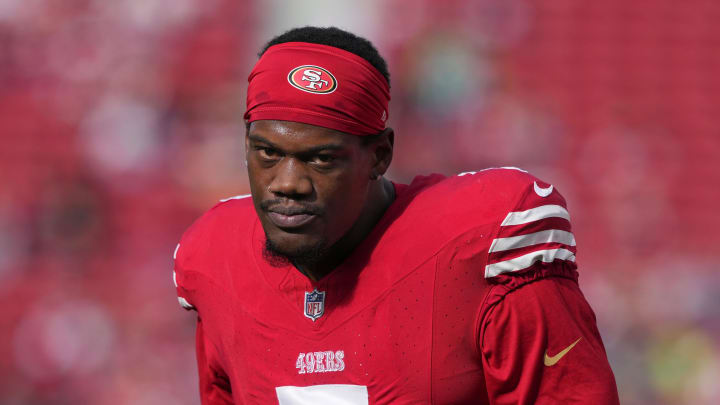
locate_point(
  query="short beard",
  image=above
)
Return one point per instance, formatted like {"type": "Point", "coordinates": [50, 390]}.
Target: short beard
{"type": "Point", "coordinates": [305, 257]}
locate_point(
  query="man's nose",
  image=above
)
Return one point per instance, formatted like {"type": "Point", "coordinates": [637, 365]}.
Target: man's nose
{"type": "Point", "coordinates": [290, 178]}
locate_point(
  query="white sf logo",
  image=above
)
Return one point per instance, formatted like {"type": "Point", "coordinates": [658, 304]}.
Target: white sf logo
{"type": "Point", "coordinates": [313, 76]}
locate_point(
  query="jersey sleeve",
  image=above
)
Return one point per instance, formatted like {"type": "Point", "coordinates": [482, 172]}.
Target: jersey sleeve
{"type": "Point", "coordinates": [538, 336]}
{"type": "Point", "coordinates": [214, 384]}
{"type": "Point", "coordinates": [534, 236]}
{"type": "Point", "coordinates": [194, 291]}
{"type": "Point", "coordinates": [540, 346]}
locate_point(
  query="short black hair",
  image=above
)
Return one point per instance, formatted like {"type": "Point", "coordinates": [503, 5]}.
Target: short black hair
{"type": "Point", "coordinates": [333, 36]}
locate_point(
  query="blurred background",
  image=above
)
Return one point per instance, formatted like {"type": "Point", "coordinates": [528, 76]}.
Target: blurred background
{"type": "Point", "coordinates": [121, 122]}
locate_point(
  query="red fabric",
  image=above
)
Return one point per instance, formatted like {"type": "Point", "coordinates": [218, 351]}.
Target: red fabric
{"type": "Point", "coordinates": [214, 384]}
{"type": "Point", "coordinates": [318, 85]}
{"type": "Point", "coordinates": [410, 316]}
{"type": "Point", "coordinates": [545, 316]}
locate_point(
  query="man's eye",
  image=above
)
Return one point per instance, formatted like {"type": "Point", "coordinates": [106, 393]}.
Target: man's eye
{"type": "Point", "coordinates": [323, 159]}
{"type": "Point", "coordinates": [268, 153]}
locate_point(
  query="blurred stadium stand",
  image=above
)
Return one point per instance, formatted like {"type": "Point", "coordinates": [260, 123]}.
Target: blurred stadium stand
{"type": "Point", "coordinates": [121, 122]}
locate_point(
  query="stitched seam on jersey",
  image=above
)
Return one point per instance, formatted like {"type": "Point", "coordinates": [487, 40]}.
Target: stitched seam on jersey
{"type": "Point", "coordinates": [489, 311]}
{"type": "Point", "coordinates": [480, 327]}
{"type": "Point", "coordinates": [479, 317]}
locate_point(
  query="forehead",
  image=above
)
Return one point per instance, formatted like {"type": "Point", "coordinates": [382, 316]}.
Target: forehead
{"type": "Point", "coordinates": [291, 136]}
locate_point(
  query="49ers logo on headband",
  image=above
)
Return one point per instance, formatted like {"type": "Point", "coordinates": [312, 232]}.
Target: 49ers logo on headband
{"type": "Point", "coordinates": [312, 79]}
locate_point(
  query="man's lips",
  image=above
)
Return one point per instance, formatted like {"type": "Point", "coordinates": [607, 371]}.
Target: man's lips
{"type": "Point", "coordinates": [288, 215]}
{"type": "Point", "coordinates": [290, 221]}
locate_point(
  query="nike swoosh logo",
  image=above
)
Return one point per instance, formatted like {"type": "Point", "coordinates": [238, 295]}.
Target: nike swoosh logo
{"type": "Point", "coordinates": [542, 192]}
{"type": "Point", "coordinates": [552, 360]}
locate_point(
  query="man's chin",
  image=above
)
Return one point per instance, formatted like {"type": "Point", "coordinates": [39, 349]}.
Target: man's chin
{"type": "Point", "coordinates": [281, 253]}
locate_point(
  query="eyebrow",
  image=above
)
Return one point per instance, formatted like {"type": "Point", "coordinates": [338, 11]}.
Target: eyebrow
{"type": "Point", "coordinates": [314, 149]}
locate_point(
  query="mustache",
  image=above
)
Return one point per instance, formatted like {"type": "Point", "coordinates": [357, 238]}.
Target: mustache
{"type": "Point", "coordinates": [290, 207]}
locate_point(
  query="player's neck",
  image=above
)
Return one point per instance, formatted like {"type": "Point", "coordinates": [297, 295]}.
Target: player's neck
{"type": "Point", "coordinates": [382, 194]}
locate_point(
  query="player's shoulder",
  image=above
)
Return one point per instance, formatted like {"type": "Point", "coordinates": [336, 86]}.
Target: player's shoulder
{"type": "Point", "coordinates": [486, 194]}
{"type": "Point", "coordinates": [499, 184]}
{"type": "Point", "coordinates": [215, 232]}
{"type": "Point", "coordinates": [524, 219]}
{"type": "Point", "coordinates": [223, 221]}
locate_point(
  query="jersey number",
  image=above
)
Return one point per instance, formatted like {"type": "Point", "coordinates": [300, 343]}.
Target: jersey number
{"type": "Point", "coordinates": [336, 394]}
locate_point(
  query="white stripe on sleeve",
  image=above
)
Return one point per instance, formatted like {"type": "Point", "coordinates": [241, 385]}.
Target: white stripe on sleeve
{"type": "Point", "coordinates": [536, 238]}
{"type": "Point", "coordinates": [534, 214]}
{"type": "Point", "coordinates": [525, 261]}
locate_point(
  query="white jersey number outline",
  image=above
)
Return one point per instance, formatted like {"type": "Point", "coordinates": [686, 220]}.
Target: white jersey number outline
{"type": "Point", "coordinates": [336, 394]}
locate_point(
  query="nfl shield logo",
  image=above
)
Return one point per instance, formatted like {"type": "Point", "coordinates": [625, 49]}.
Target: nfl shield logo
{"type": "Point", "coordinates": [314, 304]}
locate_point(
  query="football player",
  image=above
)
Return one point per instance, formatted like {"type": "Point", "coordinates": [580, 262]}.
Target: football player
{"type": "Point", "coordinates": [331, 284]}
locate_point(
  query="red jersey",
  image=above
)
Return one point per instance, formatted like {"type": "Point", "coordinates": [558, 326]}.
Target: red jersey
{"type": "Point", "coordinates": [465, 292]}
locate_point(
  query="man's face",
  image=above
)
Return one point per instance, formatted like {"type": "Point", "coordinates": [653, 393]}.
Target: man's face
{"type": "Point", "coordinates": [309, 184]}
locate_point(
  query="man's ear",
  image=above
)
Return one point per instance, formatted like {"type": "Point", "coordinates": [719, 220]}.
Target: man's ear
{"type": "Point", "coordinates": [382, 149]}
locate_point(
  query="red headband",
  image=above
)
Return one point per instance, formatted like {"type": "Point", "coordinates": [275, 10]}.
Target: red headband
{"type": "Point", "coordinates": [318, 85]}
